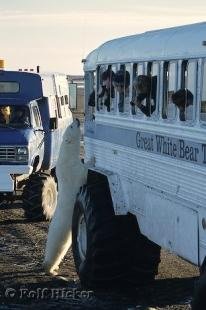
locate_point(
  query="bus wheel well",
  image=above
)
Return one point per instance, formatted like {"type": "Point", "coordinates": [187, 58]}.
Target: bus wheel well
{"type": "Point", "coordinates": [97, 179]}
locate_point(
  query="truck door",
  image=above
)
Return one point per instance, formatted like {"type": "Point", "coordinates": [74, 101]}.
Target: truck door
{"type": "Point", "coordinates": [38, 145]}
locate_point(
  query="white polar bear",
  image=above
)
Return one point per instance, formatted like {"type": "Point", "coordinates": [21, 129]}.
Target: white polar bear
{"type": "Point", "coordinates": [71, 174]}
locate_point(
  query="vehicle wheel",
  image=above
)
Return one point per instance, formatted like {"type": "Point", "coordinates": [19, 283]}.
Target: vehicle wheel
{"type": "Point", "coordinates": [105, 246]}
{"type": "Point", "coordinates": [39, 197]}
{"type": "Point", "coordinates": [1, 199]}
{"type": "Point", "coordinates": [199, 301]}
{"type": "Point", "coordinates": [145, 259]}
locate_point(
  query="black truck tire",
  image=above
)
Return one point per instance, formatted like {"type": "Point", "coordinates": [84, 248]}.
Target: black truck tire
{"type": "Point", "coordinates": [199, 301]}
{"type": "Point", "coordinates": [39, 197]}
{"type": "Point", "coordinates": [116, 253]}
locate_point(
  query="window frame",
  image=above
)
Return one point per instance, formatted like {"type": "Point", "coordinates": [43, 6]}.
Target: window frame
{"type": "Point", "coordinates": [165, 84]}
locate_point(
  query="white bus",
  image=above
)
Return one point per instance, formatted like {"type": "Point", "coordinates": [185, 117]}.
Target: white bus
{"type": "Point", "coordinates": [145, 124]}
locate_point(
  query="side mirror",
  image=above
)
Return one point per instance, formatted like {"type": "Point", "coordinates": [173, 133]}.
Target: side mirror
{"type": "Point", "coordinates": [53, 123]}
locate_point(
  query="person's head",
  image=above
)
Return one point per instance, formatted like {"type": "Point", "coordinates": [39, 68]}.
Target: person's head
{"type": "Point", "coordinates": [107, 78]}
{"type": "Point", "coordinates": [5, 111]}
{"type": "Point", "coordinates": [142, 83]}
{"type": "Point", "coordinates": [121, 80]}
{"type": "Point", "coordinates": [182, 98]}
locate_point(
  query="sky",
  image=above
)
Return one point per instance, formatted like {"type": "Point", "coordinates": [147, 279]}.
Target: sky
{"type": "Point", "coordinates": [58, 34]}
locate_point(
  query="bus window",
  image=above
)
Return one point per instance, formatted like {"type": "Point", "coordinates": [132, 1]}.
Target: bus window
{"type": "Point", "coordinates": [138, 69]}
{"type": "Point", "coordinates": [169, 87]}
{"type": "Point", "coordinates": [89, 94]}
{"type": "Point", "coordinates": [100, 71]}
{"type": "Point", "coordinates": [105, 88]}
{"type": "Point", "coordinates": [113, 94]}
{"type": "Point", "coordinates": [121, 85]}
{"type": "Point", "coordinates": [190, 86]}
{"type": "Point", "coordinates": [183, 73]}
{"type": "Point", "coordinates": [153, 93]}
{"type": "Point", "coordinates": [183, 98]}
{"type": "Point", "coordinates": [203, 97]}
{"type": "Point", "coordinates": [145, 87]}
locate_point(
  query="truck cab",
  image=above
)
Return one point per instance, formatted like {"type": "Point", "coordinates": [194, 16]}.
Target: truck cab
{"type": "Point", "coordinates": [34, 112]}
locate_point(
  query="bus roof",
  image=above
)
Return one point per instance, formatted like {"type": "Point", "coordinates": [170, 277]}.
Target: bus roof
{"type": "Point", "coordinates": [171, 43]}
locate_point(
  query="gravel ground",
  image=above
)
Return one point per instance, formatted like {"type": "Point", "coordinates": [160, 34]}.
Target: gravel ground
{"type": "Point", "coordinates": [23, 285]}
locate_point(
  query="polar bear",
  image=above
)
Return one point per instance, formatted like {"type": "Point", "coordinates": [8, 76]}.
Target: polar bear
{"type": "Point", "coordinates": [71, 174]}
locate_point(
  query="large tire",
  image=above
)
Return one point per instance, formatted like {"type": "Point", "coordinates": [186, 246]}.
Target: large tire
{"type": "Point", "coordinates": [40, 197]}
{"type": "Point", "coordinates": [1, 199]}
{"type": "Point", "coordinates": [115, 252]}
{"type": "Point", "coordinates": [199, 300]}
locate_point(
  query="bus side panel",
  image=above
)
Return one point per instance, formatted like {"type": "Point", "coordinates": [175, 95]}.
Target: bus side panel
{"type": "Point", "coordinates": [170, 224]}
{"type": "Point", "coordinates": [159, 195]}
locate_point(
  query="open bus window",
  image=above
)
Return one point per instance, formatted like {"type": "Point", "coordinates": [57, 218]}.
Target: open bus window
{"type": "Point", "coordinates": [203, 96]}
{"type": "Point", "coordinates": [121, 85]}
{"type": "Point", "coordinates": [145, 91]}
{"type": "Point", "coordinates": [105, 94]}
{"type": "Point", "coordinates": [190, 87]}
{"type": "Point", "coordinates": [15, 116]}
{"type": "Point", "coordinates": [154, 85]}
{"type": "Point", "coordinates": [169, 88]}
{"type": "Point", "coordinates": [138, 69]}
{"type": "Point", "coordinates": [183, 98]}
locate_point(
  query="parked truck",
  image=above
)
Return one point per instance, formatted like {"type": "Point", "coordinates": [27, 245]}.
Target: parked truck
{"type": "Point", "coordinates": [34, 113]}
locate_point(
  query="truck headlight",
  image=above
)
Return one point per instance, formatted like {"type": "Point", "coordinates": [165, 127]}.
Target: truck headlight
{"type": "Point", "coordinates": [21, 151]}
{"type": "Point", "coordinates": [22, 154]}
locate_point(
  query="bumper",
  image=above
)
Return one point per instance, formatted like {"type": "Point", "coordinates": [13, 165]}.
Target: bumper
{"type": "Point", "coordinates": [6, 181]}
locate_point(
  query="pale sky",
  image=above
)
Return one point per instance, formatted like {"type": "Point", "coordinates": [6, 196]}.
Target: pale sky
{"type": "Point", "coordinates": [57, 34]}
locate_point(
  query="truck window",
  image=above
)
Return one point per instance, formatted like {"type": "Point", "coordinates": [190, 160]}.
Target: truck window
{"type": "Point", "coordinates": [9, 87]}
{"type": "Point", "coordinates": [62, 100]}
{"type": "Point", "coordinates": [66, 99]}
{"type": "Point", "coordinates": [20, 116]}
{"type": "Point", "coordinates": [37, 121]}
{"type": "Point", "coordinates": [15, 116]}
{"type": "Point", "coordinates": [59, 107]}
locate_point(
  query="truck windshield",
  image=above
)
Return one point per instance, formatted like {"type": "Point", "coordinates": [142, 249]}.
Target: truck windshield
{"type": "Point", "coordinates": [14, 116]}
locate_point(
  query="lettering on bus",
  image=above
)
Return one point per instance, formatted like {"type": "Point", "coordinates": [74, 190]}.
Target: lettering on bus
{"type": "Point", "coordinates": [172, 147]}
